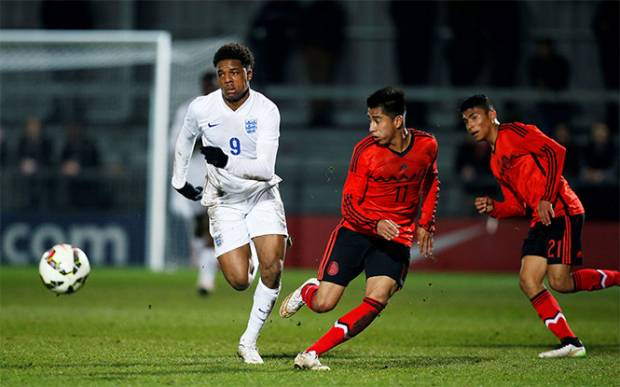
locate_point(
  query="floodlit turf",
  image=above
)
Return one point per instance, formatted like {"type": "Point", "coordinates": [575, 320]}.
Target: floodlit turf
{"type": "Point", "coordinates": [131, 327]}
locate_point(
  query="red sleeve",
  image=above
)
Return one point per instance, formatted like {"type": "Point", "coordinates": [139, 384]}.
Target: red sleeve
{"type": "Point", "coordinates": [550, 152]}
{"type": "Point", "coordinates": [511, 207]}
{"type": "Point", "coordinates": [355, 190]}
{"type": "Point", "coordinates": [430, 196]}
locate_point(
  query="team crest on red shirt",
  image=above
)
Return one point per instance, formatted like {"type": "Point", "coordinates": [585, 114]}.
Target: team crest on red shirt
{"type": "Point", "coordinates": [333, 268]}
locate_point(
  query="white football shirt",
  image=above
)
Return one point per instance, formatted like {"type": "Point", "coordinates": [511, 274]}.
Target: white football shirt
{"type": "Point", "coordinates": [248, 136]}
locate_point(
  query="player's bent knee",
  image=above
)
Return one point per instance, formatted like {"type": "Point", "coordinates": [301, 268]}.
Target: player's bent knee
{"type": "Point", "coordinates": [240, 286]}
{"type": "Point", "coordinates": [270, 273]}
{"type": "Point", "coordinates": [529, 286]}
{"type": "Point", "coordinates": [322, 306]}
{"type": "Point", "coordinates": [239, 283]}
{"type": "Point", "coordinates": [273, 267]}
{"type": "Point", "coordinates": [561, 284]}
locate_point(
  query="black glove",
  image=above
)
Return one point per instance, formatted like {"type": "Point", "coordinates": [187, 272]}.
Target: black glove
{"type": "Point", "coordinates": [190, 192]}
{"type": "Point", "coordinates": [214, 156]}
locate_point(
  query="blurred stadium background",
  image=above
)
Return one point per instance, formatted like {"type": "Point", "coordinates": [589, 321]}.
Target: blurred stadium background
{"type": "Point", "coordinates": [84, 157]}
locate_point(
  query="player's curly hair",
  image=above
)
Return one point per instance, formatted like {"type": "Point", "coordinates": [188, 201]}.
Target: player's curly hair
{"type": "Point", "coordinates": [234, 51]}
{"type": "Point", "coordinates": [479, 101]}
{"type": "Point", "coordinates": [390, 99]}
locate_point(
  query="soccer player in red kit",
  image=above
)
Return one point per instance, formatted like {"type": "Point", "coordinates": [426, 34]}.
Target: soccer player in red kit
{"type": "Point", "coordinates": [528, 166]}
{"type": "Point", "coordinates": [393, 171]}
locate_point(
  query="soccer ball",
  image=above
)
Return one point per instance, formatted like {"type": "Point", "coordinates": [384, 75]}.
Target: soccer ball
{"type": "Point", "coordinates": [64, 269]}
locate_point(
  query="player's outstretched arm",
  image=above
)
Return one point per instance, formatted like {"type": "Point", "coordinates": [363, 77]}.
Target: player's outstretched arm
{"type": "Point", "coordinates": [183, 149]}
{"type": "Point", "coordinates": [430, 197]}
{"type": "Point", "coordinates": [549, 156]}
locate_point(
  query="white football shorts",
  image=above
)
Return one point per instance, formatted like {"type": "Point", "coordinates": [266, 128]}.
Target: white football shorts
{"type": "Point", "coordinates": [234, 225]}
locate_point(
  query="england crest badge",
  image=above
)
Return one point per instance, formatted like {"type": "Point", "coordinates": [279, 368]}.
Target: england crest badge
{"type": "Point", "coordinates": [250, 126]}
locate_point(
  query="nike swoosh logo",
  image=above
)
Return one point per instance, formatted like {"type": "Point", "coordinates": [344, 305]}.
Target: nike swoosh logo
{"type": "Point", "coordinates": [212, 125]}
{"type": "Point", "coordinates": [448, 240]}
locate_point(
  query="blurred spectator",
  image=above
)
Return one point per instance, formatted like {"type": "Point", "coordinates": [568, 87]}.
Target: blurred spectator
{"type": "Point", "coordinates": [472, 166]}
{"type": "Point", "coordinates": [80, 168]}
{"type": "Point", "coordinates": [34, 158]}
{"type": "Point", "coordinates": [322, 44]}
{"type": "Point", "coordinates": [549, 71]}
{"type": "Point", "coordinates": [600, 189]}
{"type": "Point", "coordinates": [414, 25]}
{"type": "Point", "coordinates": [600, 156]}
{"type": "Point", "coordinates": [572, 163]}
{"type": "Point", "coordinates": [480, 37]}
{"type": "Point", "coordinates": [274, 38]}
{"type": "Point", "coordinates": [607, 33]}
{"type": "Point", "coordinates": [34, 150]}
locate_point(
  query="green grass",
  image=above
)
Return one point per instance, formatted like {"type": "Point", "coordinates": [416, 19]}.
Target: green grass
{"type": "Point", "coordinates": [131, 327]}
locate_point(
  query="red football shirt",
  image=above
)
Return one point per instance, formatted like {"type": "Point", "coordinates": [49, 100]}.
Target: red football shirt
{"type": "Point", "coordinates": [383, 184]}
{"type": "Point", "coordinates": [528, 166]}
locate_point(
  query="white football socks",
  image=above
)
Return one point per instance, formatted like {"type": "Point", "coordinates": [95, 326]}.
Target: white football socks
{"type": "Point", "coordinates": [264, 300]}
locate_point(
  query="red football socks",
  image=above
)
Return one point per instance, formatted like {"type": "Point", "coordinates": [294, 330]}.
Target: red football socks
{"type": "Point", "coordinates": [348, 325]}
{"type": "Point", "coordinates": [594, 279]}
{"type": "Point", "coordinates": [307, 294]}
{"type": "Point", "coordinates": [551, 314]}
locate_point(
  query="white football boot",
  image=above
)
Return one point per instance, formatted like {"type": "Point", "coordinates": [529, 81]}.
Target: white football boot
{"type": "Point", "coordinates": [293, 302]}
{"type": "Point", "coordinates": [249, 354]}
{"type": "Point", "coordinates": [568, 350]}
{"type": "Point", "coordinates": [309, 361]}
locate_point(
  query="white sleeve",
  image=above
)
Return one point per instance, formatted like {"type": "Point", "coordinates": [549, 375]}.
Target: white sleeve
{"type": "Point", "coordinates": [184, 148]}
{"type": "Point", "coordinates": [263, 167]}
{"type": "Point", "coordinates": [177, 125]}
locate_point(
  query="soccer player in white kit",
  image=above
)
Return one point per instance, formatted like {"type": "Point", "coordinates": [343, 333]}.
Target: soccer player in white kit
{"type": "Point", "coordinates": [239, 128]}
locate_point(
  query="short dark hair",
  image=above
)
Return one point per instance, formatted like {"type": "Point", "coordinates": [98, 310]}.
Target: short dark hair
{"type": "Point", "coordinates": [478, 100]}
{"type": "Point", "coordinates": [234, 51]}
{"type": "Point", "coordinates": [390, 99]}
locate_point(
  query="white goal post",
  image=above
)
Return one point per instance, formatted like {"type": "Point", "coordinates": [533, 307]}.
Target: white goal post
{"type": "Point", "coordinates": [157, 160]}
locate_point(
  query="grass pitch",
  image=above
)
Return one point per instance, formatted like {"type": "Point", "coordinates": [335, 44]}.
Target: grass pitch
{"type": "Point", "coordinates": [132, 327]}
